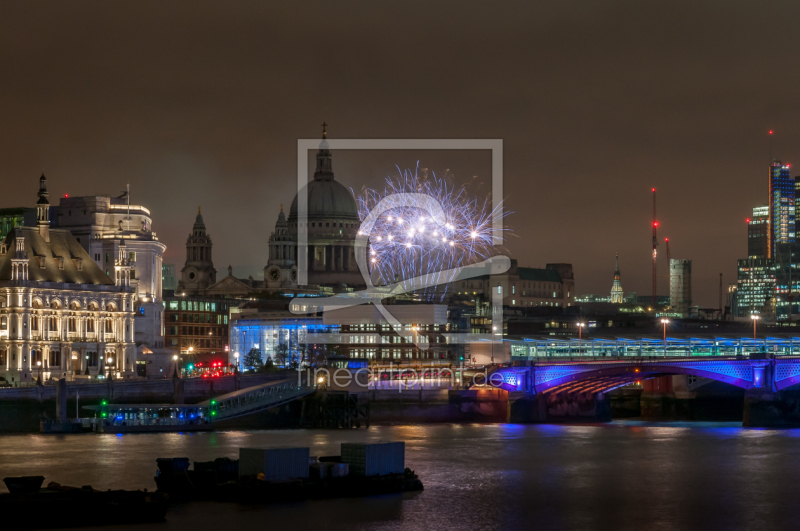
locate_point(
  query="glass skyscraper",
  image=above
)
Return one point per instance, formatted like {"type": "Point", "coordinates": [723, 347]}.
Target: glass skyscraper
{"type": "Point", "coordinates": [781, 206]}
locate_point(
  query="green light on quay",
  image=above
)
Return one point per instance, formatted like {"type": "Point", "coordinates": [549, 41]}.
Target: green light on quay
{"type": "Point", "coordinates": [104, 402]}
{"type": "Point", "coordinates": [213, 412]}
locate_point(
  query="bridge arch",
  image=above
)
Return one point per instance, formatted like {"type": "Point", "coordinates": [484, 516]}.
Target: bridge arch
{"type": "Point", "coordinates": [553, 377]}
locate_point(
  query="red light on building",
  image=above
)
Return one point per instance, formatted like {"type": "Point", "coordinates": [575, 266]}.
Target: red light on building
{"type": "Point", "coordinates": [66, 195]}
{"type": "Point", "coordinates": [748, 220]}
{"type": "Point", "coordinates": [655, 223]}
{"type": "Point", "coordinates": [653, 190]}
{"type": "Point", "coordinates": [770, 131]}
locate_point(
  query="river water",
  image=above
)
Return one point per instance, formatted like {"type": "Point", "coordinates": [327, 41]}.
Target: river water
{"type": "Point", "coordinates": [623, 475]}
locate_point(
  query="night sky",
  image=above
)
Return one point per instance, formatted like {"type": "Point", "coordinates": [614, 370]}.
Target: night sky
{"type": "Point", "coordinates": [201, 103]}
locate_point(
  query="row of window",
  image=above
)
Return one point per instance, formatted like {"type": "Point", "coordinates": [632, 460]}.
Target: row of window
{"type": "Point", "coordinates": [195, 343]}
{"type": "Point", "coordinates": [386, 328]}
{"type": "Point", "coordinates": [195, 331]}
{"type": "Point", "coordinates": [196, 306]}
{"type": "Point", "coordinates": [197, 318]}
{"type": "Point", "coordinates": [396, 354]}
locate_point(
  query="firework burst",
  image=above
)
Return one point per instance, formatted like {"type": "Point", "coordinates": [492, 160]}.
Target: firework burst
{"type": "Point", "coordinates": [423, 229]}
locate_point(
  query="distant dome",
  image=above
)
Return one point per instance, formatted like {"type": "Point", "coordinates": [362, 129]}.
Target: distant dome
{"type": "Point", "coordinates": [327, 199]}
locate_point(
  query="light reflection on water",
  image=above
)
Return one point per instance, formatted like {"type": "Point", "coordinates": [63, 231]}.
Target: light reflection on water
{"type": "Point", "coordinates": [624, 475]}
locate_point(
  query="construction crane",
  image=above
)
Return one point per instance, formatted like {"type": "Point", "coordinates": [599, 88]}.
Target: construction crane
{"type": "Point", "coordinates": [655, 246]}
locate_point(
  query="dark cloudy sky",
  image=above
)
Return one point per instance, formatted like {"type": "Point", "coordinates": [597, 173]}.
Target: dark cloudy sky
{"type": "Point", "coordinates": [201, 103]}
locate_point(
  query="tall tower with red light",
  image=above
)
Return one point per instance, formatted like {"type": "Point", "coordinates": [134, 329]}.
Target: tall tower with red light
{"type": "Point", "coordinates": [655, 249]}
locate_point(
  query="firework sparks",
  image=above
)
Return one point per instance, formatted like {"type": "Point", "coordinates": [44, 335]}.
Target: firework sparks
{"type": "Point", "coordinates": [424, 228]}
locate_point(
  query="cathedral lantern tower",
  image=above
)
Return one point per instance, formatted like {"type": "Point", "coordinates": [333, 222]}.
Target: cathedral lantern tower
{"type": "Point", "coordinates": [616, 288]}
{"type": "Point", "coordinates": [198, 273]}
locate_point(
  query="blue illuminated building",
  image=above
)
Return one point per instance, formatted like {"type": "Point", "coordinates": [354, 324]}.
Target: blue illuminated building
{"type": "Point", "coordinates": [280, 339]}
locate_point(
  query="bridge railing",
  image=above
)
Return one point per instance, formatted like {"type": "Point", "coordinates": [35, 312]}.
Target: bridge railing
{"type": "Point", "coordinates": [640, 347]}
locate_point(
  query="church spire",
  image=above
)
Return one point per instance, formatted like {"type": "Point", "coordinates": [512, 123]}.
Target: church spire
{"type": "Point", "coordinates": [616, 288]}
{"type": "Point", "coordinates": [324, 171]}
{"type": "Point", "coordinates": [43, 209]}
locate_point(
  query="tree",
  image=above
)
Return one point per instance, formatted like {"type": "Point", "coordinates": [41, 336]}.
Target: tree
{"type": "Point", "coordinates": [253, 359]}
{"type": "Point", "coordinates": [282, 354]}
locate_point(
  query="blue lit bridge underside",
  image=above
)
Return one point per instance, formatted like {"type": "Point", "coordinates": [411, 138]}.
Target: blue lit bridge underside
{"type": "Point", "coordinates": [546, 376]}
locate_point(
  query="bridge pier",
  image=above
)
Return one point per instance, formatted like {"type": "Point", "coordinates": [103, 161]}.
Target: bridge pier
{"type": "Point", "coordinates": [764, 408]}
{"type": "Point", "coordinates": [525, 408]}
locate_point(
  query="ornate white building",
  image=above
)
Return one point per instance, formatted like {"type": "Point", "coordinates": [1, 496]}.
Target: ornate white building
{"type": "Point", "coordinates": [60, 314]}
{"type": "Point", "coordinates": [103, 225]}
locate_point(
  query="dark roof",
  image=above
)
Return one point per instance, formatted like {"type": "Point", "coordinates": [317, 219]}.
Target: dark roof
{"type": "Point", "coordinates": [538, 275]}
{"type": "Point", "coordinates": [62, 244]}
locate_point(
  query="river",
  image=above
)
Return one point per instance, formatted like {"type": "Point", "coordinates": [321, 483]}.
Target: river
{"type": "Point", "coordinates": [622, 475]}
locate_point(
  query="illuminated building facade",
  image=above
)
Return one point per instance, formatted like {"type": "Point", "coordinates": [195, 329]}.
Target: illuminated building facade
{"type": "Point", "coordinates": [198, 327]}
{"type": "Point", "coordinates": [755, 289]}
{"type": "Point", "coordinates": [758, 233]}
{"type": "Point", "coordinates": [781, 206]}
{"type": "Point", "coordinates": [521, 286]}
{"type": "Point", "coordinates": [61, 316]}
{"type": "Point", "coordinates": [105, 226]}
{"type": "Point", "coordinates": [16, 217]}
{"type": "Point", "coordinates": [359, 332]}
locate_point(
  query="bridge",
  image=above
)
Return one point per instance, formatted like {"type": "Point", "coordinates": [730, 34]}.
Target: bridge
{"type": "Point", "coordinates": [568, 379]}
{"type": "Point", "coordinates": [254, 399]}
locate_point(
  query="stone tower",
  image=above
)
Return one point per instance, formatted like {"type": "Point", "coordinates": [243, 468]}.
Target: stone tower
{"type": "Point", "coordinates": [281, 270]}
{"type": "Point", "coordinates": [616, 288]}
{"type": "Point", "coordinates": [199, 272]}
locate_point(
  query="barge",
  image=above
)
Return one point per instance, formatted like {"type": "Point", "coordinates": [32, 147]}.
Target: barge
{"type": "Point", "coordinates": [58, 506]}
{"type": "Point", "coordinates": [289, 474]}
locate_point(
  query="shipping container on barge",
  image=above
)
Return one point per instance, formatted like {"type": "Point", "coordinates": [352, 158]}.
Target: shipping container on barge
{"type": "Point", "coordinates": [290, 474]}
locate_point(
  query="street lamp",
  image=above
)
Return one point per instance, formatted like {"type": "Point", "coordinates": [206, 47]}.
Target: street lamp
{"type": "Point", "coordinates": [664, 322]}
{"type": "Point", "coordinates": [236, 357]}
{"type": "Point", "coordinates": [580, 338]}
{"type": "Point", "coordinates": [39, 364]}
{"type": "Point", "coordinates": [109, 362]}
{"type": "Point", "coordinates": [755, 319]}
{"type": "Point", "coordinates": [175, 359]}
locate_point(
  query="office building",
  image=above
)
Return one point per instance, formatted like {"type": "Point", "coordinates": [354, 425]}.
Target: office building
{"type": "Point", "coordinates": [169, 281]}
{"type": "Point", "coordinates": [755, 288]}
{"type": "Point", "coordinates": [197, 327]}
{"type": "Point", "coordinates": [16, 217]}
{"type": "Point", "coordinates": [680, 286]}
{"type": "Point", "coordinates": [781, 206]}
{"type": "Point", "coordinates": [758, 233]}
